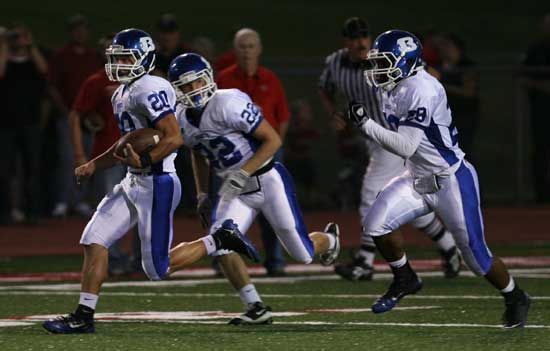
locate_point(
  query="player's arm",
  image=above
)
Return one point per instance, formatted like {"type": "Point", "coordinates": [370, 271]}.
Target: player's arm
{"type": "Point", "coordinates": [201, 170]}
{"type": "Point", "coordinates": [270, 142]}
{"type": "Point", "coordinates": [170, 142]}
{"type": "Point", "coordinates": [103, 161]}
{"type": "Point", "coordinates": [403, 143]}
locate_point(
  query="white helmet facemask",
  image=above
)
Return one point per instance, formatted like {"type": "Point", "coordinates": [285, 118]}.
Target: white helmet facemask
{"type": "Point", "coordinates": [125, 72]}
{"type": "Point", "coordinates": [196, 98]}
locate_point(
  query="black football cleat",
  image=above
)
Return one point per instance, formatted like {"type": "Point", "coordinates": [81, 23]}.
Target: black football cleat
{"type": "Point", "coordinates": [69, 324]}
{"type": "Point", "coordinates": [451, 261]}
{"type": "Point", "coordinates": [356, 270]}
{"type": "Point", "coordinates": [398, 289]}
{"type": "Point", "coordinates": [328, 257]}
{"type": "Point", "coordinates": [229, 237]}
{"type": "Point", "coordinates": [515, 314]}
{"type": "Point", "coordinates": [258, 313]}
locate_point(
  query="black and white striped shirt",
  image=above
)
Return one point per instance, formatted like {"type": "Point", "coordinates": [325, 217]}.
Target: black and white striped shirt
{"type": "Point", "coordinates": [341, 75]}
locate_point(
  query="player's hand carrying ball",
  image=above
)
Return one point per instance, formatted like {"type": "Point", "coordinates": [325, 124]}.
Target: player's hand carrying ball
{"type": "Point", "coordinates": [131, 158]}
{"type": "Point", "coordinates": [234, 184]}
{"type": "Point", "coordinates": [357, 113]}
{"type": "Point", "coordinates": [84, 171]}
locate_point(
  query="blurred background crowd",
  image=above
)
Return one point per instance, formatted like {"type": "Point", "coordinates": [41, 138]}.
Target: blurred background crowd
{"type": "Point", "coordinates": [55, 107]}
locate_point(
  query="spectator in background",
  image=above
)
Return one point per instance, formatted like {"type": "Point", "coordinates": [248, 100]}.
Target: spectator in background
{"type": "Point", "coordinates": [205, 47]}
{"type": "Point", "coordinates": [266, 91]}
{"type": "Point", "coordinates": [225, 60]}
{"type": "Point", "coordinates": [23, 71]}
{"type": "Point", "coordinates": [68, 69]}
{"type": "Point", "coordinates": [457, 73]}
{"type": "Point", "coordinates": [168, 44]}
{"type": "Point", "coordinates": [537, 82]}
{"type": "Point", "coordinates": [431, 47]}
{"type": "Point", "coordinates": [301, 139]}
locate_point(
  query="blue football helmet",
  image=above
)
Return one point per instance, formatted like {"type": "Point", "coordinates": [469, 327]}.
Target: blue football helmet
{"type": "Point", "coordinates": [136, 49]}
{"type": "Point", "coordinates": [187, 68]}
{"type": "Point", "coordinates": [395, 55]}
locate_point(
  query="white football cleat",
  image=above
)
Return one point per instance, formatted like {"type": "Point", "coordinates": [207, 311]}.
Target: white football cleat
{"type": "Point", "coordinates": [328, 257]}
{"type": "Point", "coordinates": [258, 313]}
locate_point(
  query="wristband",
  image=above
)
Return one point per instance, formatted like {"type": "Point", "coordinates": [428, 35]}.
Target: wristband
{"type": "Point", "coordinates": [145, 160]}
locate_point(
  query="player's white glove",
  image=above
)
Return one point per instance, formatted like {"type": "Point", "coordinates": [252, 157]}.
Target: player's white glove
{"type": "Point", "coordinates": [234, 184]}
{"type": "Point", "coordinates": [357, 113]}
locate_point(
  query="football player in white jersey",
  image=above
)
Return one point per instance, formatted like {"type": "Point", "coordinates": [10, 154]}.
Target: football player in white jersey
{"type": "Point", "coordinates": [225, 129]}
{"type": "Point", "coordinates": [438, 178]}
{"type": "Point", "coordinates": [149, 193]}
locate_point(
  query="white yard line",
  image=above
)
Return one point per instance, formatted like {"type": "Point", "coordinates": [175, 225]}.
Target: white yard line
{"type": "Point", "coordinates": [539, 273]}
{"type": "Point", "coordinates": [294, 268]}
{"type": "Point", "coordinates": [4, 323]}
{"type": "Point", "coordinates": [271, 296]}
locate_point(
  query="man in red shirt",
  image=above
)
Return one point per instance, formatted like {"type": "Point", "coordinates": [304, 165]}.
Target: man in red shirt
{"type": "Point", "coordinates": [266, 91]}
{"type": "Point", "coordinates": [92, 109]}
{"type": "Point", "coordinates": [68, 68]}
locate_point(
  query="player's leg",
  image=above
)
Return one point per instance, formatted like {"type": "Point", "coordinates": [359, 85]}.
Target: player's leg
{"type": "Point", "coordinates": [233, 266]}
{"type": "Point", "coordinates": [283, 212]}
{"type": "Point", "coordinates": [450, 255]}
{"type": "Point", "coordinates": [104, 181]}
{"type": "Point", "coordinates": [114, 216]}
{"type": "Point", "coordinates": [158, 198]}
{"type": "Point", "coordinates": [229, 220]}
{"type": "Point", "coordinates": [457, 204]}
{"type": "Point", "coordinates": [396, 205]}
{"type": "Point", "coordinates": [226, 237]}
{"type": "Point", "coordinates": [383, 166]}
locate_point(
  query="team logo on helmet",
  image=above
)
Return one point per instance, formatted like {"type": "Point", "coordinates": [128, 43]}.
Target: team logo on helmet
{"type": "Point", "coordinates": [395, 55]}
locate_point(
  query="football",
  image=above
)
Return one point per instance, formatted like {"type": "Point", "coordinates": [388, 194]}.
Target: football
{"type": "Point", "coordinates": [142, 141]}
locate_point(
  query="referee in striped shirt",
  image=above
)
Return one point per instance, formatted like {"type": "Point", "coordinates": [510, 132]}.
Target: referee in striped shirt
{"type": "Point", "coordinates": [343, 74]}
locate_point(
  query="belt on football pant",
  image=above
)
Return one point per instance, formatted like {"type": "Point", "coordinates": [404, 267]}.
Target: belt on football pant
{"type": "Point", "coordinates": [146, 173]}
{"type": "Point", "coordinates": [263, 169]}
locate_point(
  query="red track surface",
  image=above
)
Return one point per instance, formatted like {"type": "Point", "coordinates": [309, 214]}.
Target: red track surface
{"type": "Point", "coordinates": [55, 237]}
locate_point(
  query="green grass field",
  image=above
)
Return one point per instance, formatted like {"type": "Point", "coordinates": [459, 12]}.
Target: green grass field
{"type": "Point", "coordinates": [319, 312]}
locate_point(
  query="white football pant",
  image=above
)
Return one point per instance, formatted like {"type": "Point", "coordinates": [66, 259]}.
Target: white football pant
{"type": "Point", "coordinates": [276, 199]}
{"type": "Point", "coordinates": [456, 204]}
{"type": "Point", "coordinates": [149, 201]}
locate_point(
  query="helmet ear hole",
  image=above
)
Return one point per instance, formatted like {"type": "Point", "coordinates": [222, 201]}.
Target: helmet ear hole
{"type": "Point", "coordinates": [396, 73]}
